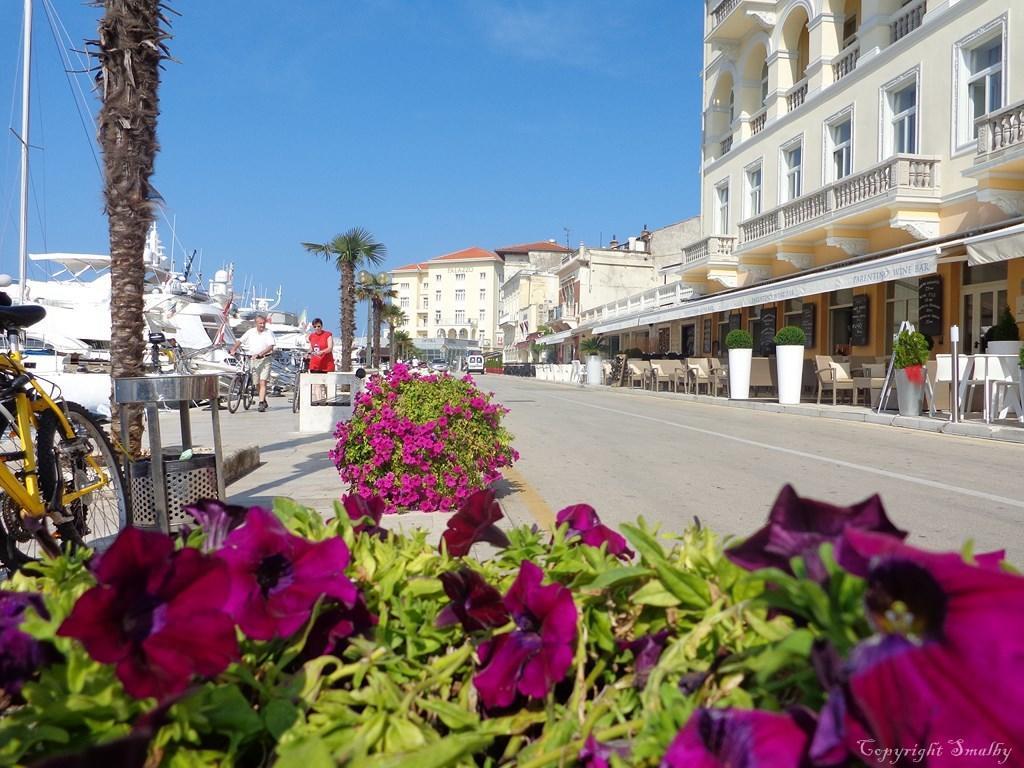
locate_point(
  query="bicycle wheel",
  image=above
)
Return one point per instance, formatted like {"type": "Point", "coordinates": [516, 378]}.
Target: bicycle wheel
{"type": "Point", "coordinates": [69, 462]}
{"type": "Point", "coordinates": [235, 393]}
{"type": "Point", "coordinates": [247, 394]}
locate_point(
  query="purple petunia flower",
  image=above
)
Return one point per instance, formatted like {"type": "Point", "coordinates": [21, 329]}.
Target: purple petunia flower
{"type": "Point", "coordinates": [946, 665]}
{"type": "Point", "coordinates": [155, 613]}
{"type": "Point", "coordinates": [539, 652]}
{"type": "Point", "coordinates": [21, 655]}
{"type": "Point", "coordinates": [360, 508]}
{"type": "Point", "coordinates": [597, 755]}
{"type": "Point", "coordinates": [732, 738]}
{"type": "Point", "coordinates": [216, 520]}
{"type": "Point", "coordinates": [474, 603]}
{"type": "Point", "coordinates": [797, 527]}
{"type": "Point", "coordinates": [646, 652]}
{"type": "Point", "coordinates": [333, 627]}
{"type": "Point", "coordinates": [277, 577]}
{"type": "Point", "coordinates": [475, 521]}
{"type": "Point", "coordinates": [583, 522]}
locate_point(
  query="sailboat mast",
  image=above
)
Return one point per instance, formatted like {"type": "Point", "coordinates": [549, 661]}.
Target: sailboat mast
{"type": "Point", "coordinates": [25, 77]}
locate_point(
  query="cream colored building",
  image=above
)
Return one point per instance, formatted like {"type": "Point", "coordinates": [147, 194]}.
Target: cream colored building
{"type": "Point", "coordinates": [454, 296]}
{"type": "Point", "coordinates": [853, 149]}
{"type": "Point", "coordinates": [528, 300]}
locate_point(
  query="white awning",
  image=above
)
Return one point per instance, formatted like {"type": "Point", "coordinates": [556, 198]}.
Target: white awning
{"type": "Point", "coordinates": [996, 246]}
{"type": "Point", "coordinates": [899, 266]}
{"type": "Point", "coordinates": [619, 324]}
{"type": "Point", "coordinates": [555, 338]}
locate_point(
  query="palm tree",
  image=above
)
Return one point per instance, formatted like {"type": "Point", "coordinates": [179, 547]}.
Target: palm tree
{"type": "Point", "coordinates": [348, 251]}
{"type": "Point", "coordinates": [393, 316]}
{"type": "Point", "coordinates": [375, 289]}
{"type": "Point", "coordinates": [401, 343]}
{"type": "Point", "coordinates": [130, 46]}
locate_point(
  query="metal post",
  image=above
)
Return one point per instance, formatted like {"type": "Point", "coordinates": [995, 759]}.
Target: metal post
{"type": "Point", "coordinates": [954, 407]}
{"type": "Point", "coordinates": [186, 424]}
{"type": "Point", "coordinates": [156, 468]}
{"type": "Point", "coordinates": [26, 78]}
{"type": "Point", "coordinates": [218, 451]}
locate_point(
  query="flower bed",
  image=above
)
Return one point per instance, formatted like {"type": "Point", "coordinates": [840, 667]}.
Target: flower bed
{"type": "Point", "coordinates": [275, 638]}
{"type": "Point", "coordinates": [422, 442]}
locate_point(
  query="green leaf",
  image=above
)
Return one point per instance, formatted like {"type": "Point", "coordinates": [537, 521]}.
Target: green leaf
{"type": "Point", "coordinates": [278, 716]}
{"type": "Point", "coordinates": [690, 588]}
{"type": "Point", "coordinates": [654, 593]}
{"type": "Point", "coordinates": [307, 752]}
{"type": "Point", "coordinates": [446, 752]}
{"type": "Point", "coordinates": [615, 577]}
{"type": "Point", "coordinates": [453, 716]}
{"type": "Point", "coordinates": [228, 712]}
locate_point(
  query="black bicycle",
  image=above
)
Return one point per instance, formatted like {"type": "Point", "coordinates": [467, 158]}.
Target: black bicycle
{"type": "Point", "coordinates": [243, 386]}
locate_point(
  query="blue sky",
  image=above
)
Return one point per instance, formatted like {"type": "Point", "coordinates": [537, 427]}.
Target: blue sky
{"type": "Point", "coordinates": [436, 125]}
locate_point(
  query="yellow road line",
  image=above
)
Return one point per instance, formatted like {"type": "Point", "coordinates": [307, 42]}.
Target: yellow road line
{"type": "Point", "coordinates": [535, 504]}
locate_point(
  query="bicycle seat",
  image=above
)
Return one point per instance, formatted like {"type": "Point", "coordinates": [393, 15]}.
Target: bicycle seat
{"type": "Point", "coordinates": [21, 316]}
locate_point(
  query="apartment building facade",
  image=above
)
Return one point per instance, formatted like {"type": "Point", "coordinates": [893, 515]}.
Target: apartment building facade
{"type": "Point", "coordinates": [454, 297]}
{"type": "Point", "coordinates": [860, 158]}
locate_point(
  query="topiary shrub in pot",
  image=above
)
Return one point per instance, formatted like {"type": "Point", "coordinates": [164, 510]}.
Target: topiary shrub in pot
{"type": "Point", "coordinates": [789, 362]}
{"type": "Point", "coordinates": [593, 347]}
{"type": "Point", "coordinates": [910, 353]}
{"type": "Point", "coordinates": [1004, 337]}
{"type": "Point", "coordinates": [741, 348]}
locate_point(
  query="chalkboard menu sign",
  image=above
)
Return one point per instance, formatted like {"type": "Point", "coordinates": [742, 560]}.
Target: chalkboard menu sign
{"type": "Point", "coordinates": [707, 336]}
{"type": "Point", "coordinates": [859, 327]}
{"type": "Point", "coordinates": [734, 322]}
{"type": "Point", "coordinates": [766, 343]}
{"type": "Point", "coordinates": [929, 305]}
{"type": "Point", "coordinates": [807, 315]}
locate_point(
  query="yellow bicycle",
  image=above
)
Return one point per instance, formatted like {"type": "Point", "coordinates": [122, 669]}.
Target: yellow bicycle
{"type": "Point", "coordinates": [57, 465]}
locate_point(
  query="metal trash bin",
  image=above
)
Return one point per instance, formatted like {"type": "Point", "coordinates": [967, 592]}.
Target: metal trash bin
{"type": "Point", "coordinates": [159, 486]}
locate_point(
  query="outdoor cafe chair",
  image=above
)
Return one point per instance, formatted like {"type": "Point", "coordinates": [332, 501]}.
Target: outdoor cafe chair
{"type": "Point", "coordinates": [832, 375]}
{"type": "Point", "coordinates": [719, 376]}
{"type": "Point", "coordinates": [1002, 385]}
{"type": "Point", "coordinates": [665, 373]}
{"type": "Point", "coordinates": [639, 372]}
{"type": "Point", "coordinates": [700, 374]}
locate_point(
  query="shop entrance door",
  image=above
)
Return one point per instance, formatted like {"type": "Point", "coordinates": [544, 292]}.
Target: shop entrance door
{"type": "Point", "coordinates": [689, 340]}
{"type": "Point", "coordinates": [980, 307]}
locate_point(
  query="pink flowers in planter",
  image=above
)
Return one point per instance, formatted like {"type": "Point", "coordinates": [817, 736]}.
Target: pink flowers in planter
{"type": "Point", "coordinates": [422, 442]}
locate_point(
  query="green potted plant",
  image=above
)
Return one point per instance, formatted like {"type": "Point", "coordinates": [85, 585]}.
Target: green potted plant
{"type": "Point", "coordinates": [910, 353]}
{"type": "Point", "coordinates": [789, 362]}
{"type": "Point", "coordinates": [741, 348]}
{"type": "Point", "coordinates": [1004, 336]}
{"type": "Point", "coordinates": [593, 347]}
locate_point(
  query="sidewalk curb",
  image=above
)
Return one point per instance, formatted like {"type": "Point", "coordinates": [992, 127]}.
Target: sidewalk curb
{"type": "Point", "coordinates": [239, 463]}
{"type": "Point", "coordinates": [1006, 434]}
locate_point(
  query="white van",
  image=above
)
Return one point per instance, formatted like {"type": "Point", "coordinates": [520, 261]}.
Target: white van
{"type": "Point", "coordinates": [475, 364]}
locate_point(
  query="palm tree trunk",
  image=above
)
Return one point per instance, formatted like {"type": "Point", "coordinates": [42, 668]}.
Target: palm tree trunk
{"type": "Point", "coordinates": [391, 339]}
{"type": "Point", "coordinates": [348, 313]}
{"type": "Point", "coordinates": [376, 333]}
{"type": "Point", "coordinates": [130, 48]}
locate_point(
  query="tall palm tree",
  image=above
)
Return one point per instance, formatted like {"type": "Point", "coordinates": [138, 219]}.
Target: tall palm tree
{"type": "Point", "coordinates": [130, 46]}
{"type": "Point", "coordinates": [393, 316]}
{"type": "Point", "coordinates": [348, 251]}
{"type": "Point", "coordinates": [376, 289]}
{"type": "Point", "coordinates": [401, 343]}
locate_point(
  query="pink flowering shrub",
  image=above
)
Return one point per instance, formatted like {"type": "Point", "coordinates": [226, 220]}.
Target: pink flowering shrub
{"type": "Point", "coordinates": [422, 442]}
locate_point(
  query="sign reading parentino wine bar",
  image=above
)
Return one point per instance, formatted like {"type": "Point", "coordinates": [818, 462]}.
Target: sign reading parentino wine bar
{"type": "Point", "coordinates": [882, 270]}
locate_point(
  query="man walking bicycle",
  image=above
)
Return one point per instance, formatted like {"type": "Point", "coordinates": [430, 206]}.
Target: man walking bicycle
{"type": "Point", "coordinates": [258, 343]}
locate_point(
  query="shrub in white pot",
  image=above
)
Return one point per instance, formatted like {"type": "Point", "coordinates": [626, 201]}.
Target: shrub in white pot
{"type": "Point", "coordinates": [789, 363]}
{"type": "Point", "coordinates": [593, 347]}
{"type": "Point", "coordinates": [1003, 337]}
{"type": "Point", "coordinates": [910, 353]}
{"type": "Point", "coordinates": [741, 347]}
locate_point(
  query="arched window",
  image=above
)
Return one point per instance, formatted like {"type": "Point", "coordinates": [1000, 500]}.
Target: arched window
{"type": "Point", "coordinates": [732, 106]}
{"type": "Point", "coordinates": [764, 83]}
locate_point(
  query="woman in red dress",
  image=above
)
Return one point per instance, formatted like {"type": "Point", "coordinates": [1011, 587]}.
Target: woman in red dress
{"type": "Point", "coordinates": [321, 349]}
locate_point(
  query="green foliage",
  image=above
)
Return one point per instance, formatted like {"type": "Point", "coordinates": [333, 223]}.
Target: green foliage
{"type": "Point", "coordinates": [739, 339]}
{"type": "Point", "coordinates": [910, 348]}
{"type": "Point", "coordinates": [790, 335]}
{"type": "Point", "coordinates": [633, 353]}
{"type": "Point", "coordinates": [1006, 329]}
{"type": "Point", "coordinates": [1020, 359]}
{"type": "Point", "coordinates": [593, 345]}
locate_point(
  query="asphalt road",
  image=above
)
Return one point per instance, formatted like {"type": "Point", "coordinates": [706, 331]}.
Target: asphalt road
{"type": "Point", "coordinates": [630, 454]}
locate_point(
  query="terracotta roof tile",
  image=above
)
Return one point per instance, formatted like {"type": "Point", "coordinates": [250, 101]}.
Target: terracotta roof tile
{"type": "Point", "coordinates": [542, 245]}
{"type": "Point", "coordinates": [410, 267]}
{"type": "Point", "coordinates": [466, 254]}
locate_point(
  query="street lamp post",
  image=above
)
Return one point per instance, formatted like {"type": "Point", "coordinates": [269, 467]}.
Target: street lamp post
{"type": "Point", "coordinates": [364, 277]}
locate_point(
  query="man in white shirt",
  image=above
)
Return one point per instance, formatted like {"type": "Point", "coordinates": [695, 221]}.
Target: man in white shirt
{"type": "Point", "coordinates": [259, 344]}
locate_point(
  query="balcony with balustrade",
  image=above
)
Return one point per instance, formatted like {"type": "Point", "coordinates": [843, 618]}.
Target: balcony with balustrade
{"type": "Point", "coordinates": [900, 183]}
{"type": "Point", "coordinates": [1000, 142]}
{"type": "Point", "coordinates": [713, 251]}
{"type": "Point", "coordinates": [732, 20]}
{"type": "Point", "coordinates": [907, 19]}
{"type": "Point", "coordinates": [669, 295]}
{"type": "Point", "coordinates": [845, 62]}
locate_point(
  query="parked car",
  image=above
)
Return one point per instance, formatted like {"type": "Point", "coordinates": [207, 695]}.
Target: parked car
{"type": "Point", "coordinates": [475, 364]}
{"type": "Point", "coordinates": [440, 366]}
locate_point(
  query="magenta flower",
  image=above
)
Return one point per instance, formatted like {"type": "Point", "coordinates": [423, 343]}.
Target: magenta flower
{"type": "Point", "coordinates": [584, 523]}
{"type": "Point", "coordinates": [474, 603]}
{"type": "Point", "coordinates": [797, 527]}
{"type": "Point", "coordinates": [366, 512]}
{"type": "Point", "coordinates": [334, 626]}
{"type": "Point", "coordinates": [216, 520]}
{"type": "Point", "coordinates": [277, 577]}
{"type": "Point", "coordinates": [148, 609]}
{"type": "Point", "coordinates": [596, 755]}
{"type": "Point", "coordinates": [475, 521]}
{"type": "Point", "coordinates": [537, 655]}
{"type": "Point", "coordinates": [946, 664]}
{"type": "Point", "coordinates": [646, 652]}
{"type": "Point", "coordinates": [21, 655]}
{"type": "Point", "coordinates": [737, 738]}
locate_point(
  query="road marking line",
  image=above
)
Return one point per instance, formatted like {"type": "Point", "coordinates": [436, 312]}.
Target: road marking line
{"type": "Point", "coordinates": [815, 457]}
{"type": "Point", "coordinates": [535, 504]}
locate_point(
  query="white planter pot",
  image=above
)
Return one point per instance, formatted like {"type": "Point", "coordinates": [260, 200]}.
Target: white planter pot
{"type": "Point", "coordinates": [594, 370]}
{"type": "Point", "coordinates": [910, 393]}
{"type": "Point", "coordinates": [739, 373]}
{"type": "Point", "coordinates": [789, 362]}
{"type": "Point", "coordinates": [1003, 348]}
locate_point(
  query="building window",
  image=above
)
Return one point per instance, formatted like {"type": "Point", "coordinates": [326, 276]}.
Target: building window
{"type": "Point", "coordinates": [793, 163]}
{"type": "Point", "coordinates": [840, 141]}
{"type": "Point", "coordinates": [722, 208]}
{"type": "Point", "coordinates": [437, 296]}
{"type": "Point", "coordinates": [483, 294]}
{"type": "Point", "coordinates": [460, 277]}
{"type": "Point", "coordinates": [764, 83]}
{"type": "Point", "coordinates": [793, 312]}
{"type": "Point", "coordinates": [979, 71]}
{"type": "Point", "coordinates": [460, 294]}
{"type": "Point", "coordinates": [426, 302]}
{"type": "Point", "coordinates": [483, 315]}
{"type": "Point", "coordinates": [840, 321]}
{"type": "Point", "coordinates": [849, 30]}
{"type": "Point", "coordinates": [437, 315]}
{"type": "Point", "coordinates": [732, 107]}
{"type": "Point", "coordinates": [483, 275]}
{"type": "Point", "coordinates": [900, 305]}
{"type": "Point", "coordinates": [404, 302]}
{"type": "Point", "coordinates": [719, 348]}
{"type": "Point", "coordinates": [437, 278]}
{"type": "Point", "coordinates": [754, 200]}
{"type": "Point", "coordinates": [900, 105]}
{"type": "Point", "coordinates": [460, 317]}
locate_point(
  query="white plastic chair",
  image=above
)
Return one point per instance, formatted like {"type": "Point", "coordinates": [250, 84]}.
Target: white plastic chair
{"type": "Point", "coordinates": [1002, 385]}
